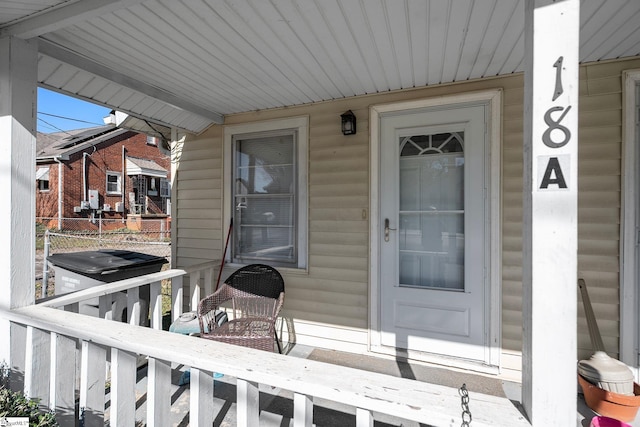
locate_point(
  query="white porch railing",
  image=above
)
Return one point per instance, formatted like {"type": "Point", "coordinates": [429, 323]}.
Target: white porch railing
{"type": "Point", "coordinates": [45, 340]}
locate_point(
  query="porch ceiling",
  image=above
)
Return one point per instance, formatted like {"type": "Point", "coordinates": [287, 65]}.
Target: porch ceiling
{"type": "Point", "coordinates": [187, 63]}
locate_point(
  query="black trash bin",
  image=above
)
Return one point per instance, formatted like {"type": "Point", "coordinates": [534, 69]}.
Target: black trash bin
{"type": "Point", "coordinates": [81, 270]}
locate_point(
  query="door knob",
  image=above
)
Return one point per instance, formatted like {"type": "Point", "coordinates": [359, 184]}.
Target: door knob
{"type": "Point", "coordinates": [387, 229]}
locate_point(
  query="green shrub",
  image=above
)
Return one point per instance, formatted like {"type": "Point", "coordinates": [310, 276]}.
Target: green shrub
{"type": "Point", "coordinates": [16, 404]}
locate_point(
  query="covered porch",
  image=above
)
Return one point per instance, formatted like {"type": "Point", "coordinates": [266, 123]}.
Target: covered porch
{"type": "Point", "coordinates": [210, 68]}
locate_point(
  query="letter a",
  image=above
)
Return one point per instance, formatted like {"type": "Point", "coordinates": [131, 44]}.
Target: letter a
{"type": "Point", "coordinates": [553, 167]}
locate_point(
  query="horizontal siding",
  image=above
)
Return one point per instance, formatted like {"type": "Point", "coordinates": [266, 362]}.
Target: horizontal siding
{"type": "Point", "coordinates": [198, 196]}
{"type": "Point", "coordinates": [599, 155]}
{"type": "Point", "coordinates": [334, 290]}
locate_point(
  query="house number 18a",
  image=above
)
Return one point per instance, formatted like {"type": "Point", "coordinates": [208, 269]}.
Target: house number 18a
{"type": "Point", "coordinates": [555, 136]}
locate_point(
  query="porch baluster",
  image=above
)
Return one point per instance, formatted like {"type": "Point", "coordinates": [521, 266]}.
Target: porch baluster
{"type": "Point", "coordinates": [248, 403]}
{"type": "Point", "coordinates": [201, 389]}
{"type": "Point", "coordinates": [105, 307]}
{"type": "Point", "coordinates": [208, 281]}
{"type": "Point", "coordinates": [177, 293]}
{"type": "Point", "coordinates": [123, 388]}
{"type": "Point", "coordinates": [158, 393]}
{"type": "Point", "coordinates": [194, 288]}
{"type": "Point", "coordinates": [63, 378]}
{"type": "Point", "coordinates": [133, 305]}
{"type": "Point", "coordinates": [364, 418]}
{"type": "Point", "coordinates": [92, 384]}
{"type": "Point", "coordinates": [155, 304]}
{"type": "Point", "coordinates": [37, 367]}
{"type": "Point", "coordinates": [302, 410]}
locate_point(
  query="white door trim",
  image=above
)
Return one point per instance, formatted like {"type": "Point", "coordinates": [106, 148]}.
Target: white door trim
{"type": "Point", "coordinates": [629, 228]}
{"type": "Point", "coordinates": [494, 132]}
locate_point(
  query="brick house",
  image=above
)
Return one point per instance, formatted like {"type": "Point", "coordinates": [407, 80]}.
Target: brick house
{"type": "Point", "coordinates": [105, 170]}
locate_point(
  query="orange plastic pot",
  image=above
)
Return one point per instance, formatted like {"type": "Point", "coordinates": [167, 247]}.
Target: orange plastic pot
{"type": "Point", "coordinates": [610, 404]}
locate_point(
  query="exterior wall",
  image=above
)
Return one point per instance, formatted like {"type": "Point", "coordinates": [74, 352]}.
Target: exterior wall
{"type": "Point", "coordinates": [106, 157]}
{"type": "Point", "coordinates": [47, 200]}
{"type": "Point", "coordinates": [334, 290]}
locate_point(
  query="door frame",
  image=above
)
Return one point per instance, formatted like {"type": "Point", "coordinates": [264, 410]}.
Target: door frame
{"type": "Point", "coordinates": [493, 298]}
{"type": "Point", "coordinates": [630, 228]}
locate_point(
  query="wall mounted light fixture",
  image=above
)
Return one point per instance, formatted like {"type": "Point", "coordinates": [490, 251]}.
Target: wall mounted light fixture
{"type": "Point", "coordinates": [348, 123]}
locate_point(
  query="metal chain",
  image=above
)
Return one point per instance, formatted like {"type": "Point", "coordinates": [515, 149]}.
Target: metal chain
{"type": "Point", "coordinates": [466, 413]}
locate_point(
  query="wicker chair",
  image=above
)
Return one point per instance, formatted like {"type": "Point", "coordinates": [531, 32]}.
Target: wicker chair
{"type": "Point", "coordinates": [256, 295]}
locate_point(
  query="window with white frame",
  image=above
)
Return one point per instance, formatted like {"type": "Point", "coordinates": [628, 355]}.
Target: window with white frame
{"type": "Point", "coordinates": [268, 192]}
{"type": "Point", "coordinates": [114, 185]}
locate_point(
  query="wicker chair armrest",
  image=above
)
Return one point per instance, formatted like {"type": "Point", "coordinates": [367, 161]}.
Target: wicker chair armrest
{"type": "Point", "coordinates": [208, 305]}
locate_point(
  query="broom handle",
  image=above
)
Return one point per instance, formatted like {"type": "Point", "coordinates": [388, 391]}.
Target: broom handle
{"type": "Point", "coordinates": [594, 331]}
{"type": "Point", "coordinates": [224, 255]}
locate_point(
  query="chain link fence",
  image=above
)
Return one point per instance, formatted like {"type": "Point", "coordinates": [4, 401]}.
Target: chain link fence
{"type": "Point", "coordinates": [149, 236]}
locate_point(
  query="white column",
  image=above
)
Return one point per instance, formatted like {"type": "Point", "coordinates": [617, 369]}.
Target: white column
{"type": "Point", "coordinates": [18, 92]}
{"type": "Point", "coordinates": [550, 220]}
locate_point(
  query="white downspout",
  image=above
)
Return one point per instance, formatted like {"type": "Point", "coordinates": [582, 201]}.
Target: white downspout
{"type": "Point", "coordinates": [60, 186]}
{"type": "Point", "coordinates": [124, 181]}
{"type": "Point", "coordinates": [84, 176]}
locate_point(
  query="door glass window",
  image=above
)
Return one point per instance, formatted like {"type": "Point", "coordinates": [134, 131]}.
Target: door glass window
{"type": "Point", "coordinates": [431, 226]}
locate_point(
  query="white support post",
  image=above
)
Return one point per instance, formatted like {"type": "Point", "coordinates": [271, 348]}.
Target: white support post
{"type": "Point", "coordinates": [92, 384]}
{"type": "Point", "coordinates": [550, 220]}
{"type": "Point", "coordinates": [123, 388]}
{"type": "Point", "coordinates": [302, 410]}
{"type": "Point", "coordinates": [18, 106]}
{"type": "Point", "coordinates": [63, 378]}
{"type": "Point", "coordinates": [159, 393]}
{"type": "Point", "coordinates": [248, 398]}
{"type": "Point", "coordinates": [155, 305]}
{"type": "Point", "coordinates": [201, 398]}
{"type": "Point", "coordinates": [177, 292]}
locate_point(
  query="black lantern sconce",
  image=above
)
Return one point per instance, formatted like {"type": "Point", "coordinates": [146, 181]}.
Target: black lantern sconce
{"type": "Point", "coordinates": [348, 123]}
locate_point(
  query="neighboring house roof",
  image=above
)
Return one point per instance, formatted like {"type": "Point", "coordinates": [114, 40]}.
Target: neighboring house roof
{"type": "Point", "coordinates": [66, 143]}
{"type": "Point", "coordinates": [137, 166]}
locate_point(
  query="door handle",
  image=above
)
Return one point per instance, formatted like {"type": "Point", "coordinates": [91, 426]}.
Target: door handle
{"type": "Point", "coordinates": [387, 229]}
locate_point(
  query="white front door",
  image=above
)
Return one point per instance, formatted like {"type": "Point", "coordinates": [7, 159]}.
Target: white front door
{"type": "Point", "coordinates": [434, 252]}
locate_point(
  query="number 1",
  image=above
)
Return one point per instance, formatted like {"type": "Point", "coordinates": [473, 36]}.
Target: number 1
{"type": "Point", "coordinates": [558, 67]}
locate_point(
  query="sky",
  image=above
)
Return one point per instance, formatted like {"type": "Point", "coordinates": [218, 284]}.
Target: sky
{"type": "Point", "coordinates": [57, 112]}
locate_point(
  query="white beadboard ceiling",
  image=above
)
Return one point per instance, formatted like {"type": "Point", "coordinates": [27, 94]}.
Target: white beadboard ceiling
{"type": "Point", "coordinates": [187, 63]}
